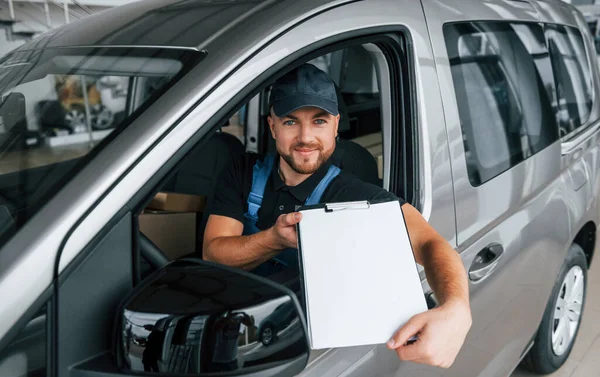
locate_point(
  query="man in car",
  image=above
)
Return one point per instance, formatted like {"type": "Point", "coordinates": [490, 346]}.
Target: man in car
{"type": "Point", "coordinates": [252, 222]}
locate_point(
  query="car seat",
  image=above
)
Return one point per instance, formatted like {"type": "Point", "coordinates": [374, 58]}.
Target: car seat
{"type": "Point", "coordinates": [351, 157]}
{"type": "Point", "coordinates": [199, 173]}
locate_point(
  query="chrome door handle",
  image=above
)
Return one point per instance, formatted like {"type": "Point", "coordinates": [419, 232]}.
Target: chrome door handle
{"type": "Point", "coordinates": [486, 261]}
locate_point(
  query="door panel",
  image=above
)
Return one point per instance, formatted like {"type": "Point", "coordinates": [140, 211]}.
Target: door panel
{"type": "Point", "coordinates": [517, 200]}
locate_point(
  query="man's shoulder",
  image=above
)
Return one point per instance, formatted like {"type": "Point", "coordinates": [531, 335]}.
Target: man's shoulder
{"type": "Point", "coordinates": [347, 187]}
{"type": "Point", "coordinates": [243, 164]}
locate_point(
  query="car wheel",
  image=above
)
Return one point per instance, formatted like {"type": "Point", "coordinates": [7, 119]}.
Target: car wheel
{"type": "Point", "coordinates": [267, 335]}
{"type": "Point", "coordinates": [562, 318]}
{"type": "Point", "coordinates": [75, 119]}
{"type": "Point", "coordinates": [102, 117]}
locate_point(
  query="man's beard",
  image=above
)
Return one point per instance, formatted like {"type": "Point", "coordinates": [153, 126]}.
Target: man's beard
{"type": "Point", "coordinates": [302, 167]}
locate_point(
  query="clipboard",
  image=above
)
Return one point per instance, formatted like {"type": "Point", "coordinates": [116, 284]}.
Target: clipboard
{"type": "Point", "coordinates": [359, 275]}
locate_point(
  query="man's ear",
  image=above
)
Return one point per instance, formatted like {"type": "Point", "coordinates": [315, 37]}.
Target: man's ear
{"type": "Point", "coordinates": [271, 124]}
{"type": "Point", "coordinates": [337, 124]}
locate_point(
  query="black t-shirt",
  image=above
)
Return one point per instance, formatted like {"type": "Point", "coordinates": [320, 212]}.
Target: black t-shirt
{"type": "Point", "coordinates": [235, 183]}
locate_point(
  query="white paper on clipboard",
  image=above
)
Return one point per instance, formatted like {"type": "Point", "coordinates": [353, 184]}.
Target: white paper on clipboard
{"type": "Point", "coordinates": [360, 277]}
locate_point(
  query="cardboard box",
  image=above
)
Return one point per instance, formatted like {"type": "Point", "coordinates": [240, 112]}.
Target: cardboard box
{"type": "Point", "coordinates": [174, 233]}
{"type": "Point", "coordinates": [175, 202]}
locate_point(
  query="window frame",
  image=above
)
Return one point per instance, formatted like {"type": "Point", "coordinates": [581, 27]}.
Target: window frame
{"type": "Point", "coordinates": [401, 130]}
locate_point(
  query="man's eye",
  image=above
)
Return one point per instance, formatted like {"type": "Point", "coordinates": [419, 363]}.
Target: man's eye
{"type": "Point", "coordinates": [320, 121]}
{"type": "Point", "coordinates": [288, 123]}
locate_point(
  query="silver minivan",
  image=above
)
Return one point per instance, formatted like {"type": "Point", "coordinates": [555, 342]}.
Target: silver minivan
{"type": "Point", "coordinates": [483, 114]}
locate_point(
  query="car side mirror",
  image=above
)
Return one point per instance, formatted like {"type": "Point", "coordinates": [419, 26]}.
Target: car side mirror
{"type": "Point", "coordinates": [196, 318]}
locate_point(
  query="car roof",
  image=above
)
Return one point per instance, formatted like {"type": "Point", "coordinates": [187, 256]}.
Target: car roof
{"type": "Point", "coordinates": [190, 24]}
{"type": "Point", "coordinates": [171, 23]}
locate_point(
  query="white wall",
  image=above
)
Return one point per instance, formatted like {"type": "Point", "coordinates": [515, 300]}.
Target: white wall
{"type": "Point", "coordinates": [6, 45]}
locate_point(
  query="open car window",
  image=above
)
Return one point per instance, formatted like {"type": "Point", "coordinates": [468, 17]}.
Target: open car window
{"type": "Point", "coordinates": [58, 105]}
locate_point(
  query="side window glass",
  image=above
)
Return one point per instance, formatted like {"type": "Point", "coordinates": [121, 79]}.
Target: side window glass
{"type": "Point", "coordinates": [572, 75]}
{"type": "Point", "coordinates": [504, 89]}
{"type": "Point", "coordinates": [25, 356]}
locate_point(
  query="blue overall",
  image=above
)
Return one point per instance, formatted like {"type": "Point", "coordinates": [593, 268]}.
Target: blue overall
{"type": "Point", "coordinates": [260, 175]}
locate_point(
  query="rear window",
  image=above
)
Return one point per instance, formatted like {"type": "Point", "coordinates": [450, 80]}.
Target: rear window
{"type": "Point", "coordinates": [59, 105]}
{"type": "Point", "coordinates": [504, 89]}
{"type": "Point", "coordinates": [574, 90]}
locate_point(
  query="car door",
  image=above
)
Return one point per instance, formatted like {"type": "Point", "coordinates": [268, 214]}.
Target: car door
{"type": "Point", "coordinates": [333, 26]}
{"type": "Point", "coordinates": [511, 231]}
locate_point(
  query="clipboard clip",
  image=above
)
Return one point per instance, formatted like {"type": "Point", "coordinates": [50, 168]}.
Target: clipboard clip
{"type": "Point", "coordinates": [331, 207]}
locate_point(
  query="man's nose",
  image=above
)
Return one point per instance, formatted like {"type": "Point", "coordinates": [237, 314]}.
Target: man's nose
{"type": "Point", "coordinates": [306, 134]}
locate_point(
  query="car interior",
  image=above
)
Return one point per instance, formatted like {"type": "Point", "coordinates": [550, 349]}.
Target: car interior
{"type": "Point", "coordinates": [359, 151]}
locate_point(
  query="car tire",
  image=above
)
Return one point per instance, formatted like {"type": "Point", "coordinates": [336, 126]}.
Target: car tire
{"type": "Point", "coordinates": [75, 118]}
{"type": "Point", "coordinates": [560, 323]}
{"type": "Point", "coordinates": [267, 334]}
{"type": "Point", "coordinates": [102, 117]}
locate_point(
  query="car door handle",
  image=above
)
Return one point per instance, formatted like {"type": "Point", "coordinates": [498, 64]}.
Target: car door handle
{"type": "Point", "coordinates": [486, 261]}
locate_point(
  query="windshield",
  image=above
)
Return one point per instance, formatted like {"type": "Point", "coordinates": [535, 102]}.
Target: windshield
{"type": "Point", "coordinates": [58, 105]}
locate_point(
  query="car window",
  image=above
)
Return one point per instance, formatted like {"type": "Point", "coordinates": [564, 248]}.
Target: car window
{"type": "Point", "coordinates": [58, 105]}
{"type": "Point", "coordinates": [572, 75]}
{"type": "Point", "coordinates": [504, 89]}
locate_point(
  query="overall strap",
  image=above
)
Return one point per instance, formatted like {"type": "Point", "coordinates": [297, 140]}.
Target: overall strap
{"type": "Point", "coordinates": [260, 176]}
{"type": "Point", "coordinates": [289, 257]}
{"type": "Point", "coordinates": [315, 196]}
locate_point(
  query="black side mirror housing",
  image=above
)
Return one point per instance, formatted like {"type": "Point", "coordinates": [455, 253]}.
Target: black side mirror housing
{"type": "Point", "coordinates": [199, 318]}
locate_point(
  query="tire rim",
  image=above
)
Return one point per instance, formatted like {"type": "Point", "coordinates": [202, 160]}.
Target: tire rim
{"type": "Point", "coordinates": [102, 117]}
{"type": "Point", "coordinates": [267, 334]}
{"type": "Point", "coordinates": [75, 118]}
{"type": "Point", "coordinates": [567, 311]}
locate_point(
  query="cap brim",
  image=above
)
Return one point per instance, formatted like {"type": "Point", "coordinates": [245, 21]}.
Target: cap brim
{"type": "Point", "coordinates": [288, 105]}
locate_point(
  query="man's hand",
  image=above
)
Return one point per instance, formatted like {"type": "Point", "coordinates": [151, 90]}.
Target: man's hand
{"type": "Point", "coordinates": [284, 231]}
{"type": "Point", "coordinates": [441, 333]}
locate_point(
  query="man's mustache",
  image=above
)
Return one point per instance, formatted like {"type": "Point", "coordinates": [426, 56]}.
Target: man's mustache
{"type": "Point", "coordinates": [315, 146]}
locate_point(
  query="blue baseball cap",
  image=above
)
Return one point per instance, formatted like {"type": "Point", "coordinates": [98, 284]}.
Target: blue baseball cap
{"type": "Point", "coordinates": [303, 87]}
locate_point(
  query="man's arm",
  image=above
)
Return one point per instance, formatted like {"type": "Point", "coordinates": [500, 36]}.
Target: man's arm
{"type": "Point", "coordinates": [224, 243]}
{"type": "Point", "coordinates": [443, 267]}
{"type": "Point", "coordinates": [442, 330]}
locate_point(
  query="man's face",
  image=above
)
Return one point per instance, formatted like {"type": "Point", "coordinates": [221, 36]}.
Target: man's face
{"type": "Point", "coordinates": [305, 139]}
